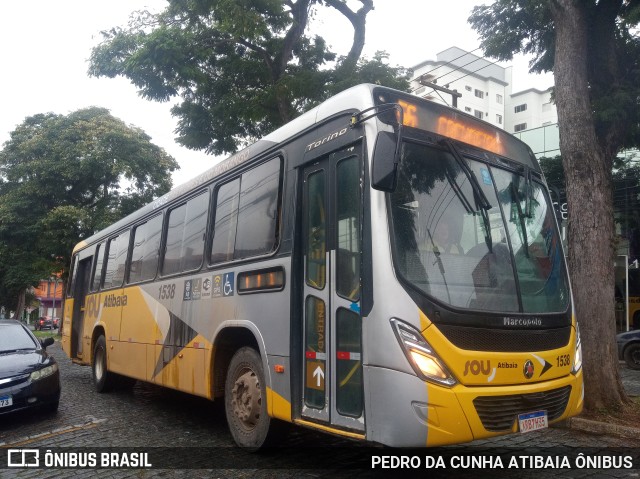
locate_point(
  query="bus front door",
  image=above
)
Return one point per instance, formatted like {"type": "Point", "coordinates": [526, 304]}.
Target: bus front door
{"type": "Point", "coordinates": [332, 389]}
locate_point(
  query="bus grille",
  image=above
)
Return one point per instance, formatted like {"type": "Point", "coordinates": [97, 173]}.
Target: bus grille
{"type": "Point", "coordinates": [498, 413]}
{"type": "Point", "coordinates": [506, 340]}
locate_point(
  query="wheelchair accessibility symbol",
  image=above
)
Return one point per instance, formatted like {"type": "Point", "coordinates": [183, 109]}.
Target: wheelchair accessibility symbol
{"type": "Point", "coordinates": [227, 284]}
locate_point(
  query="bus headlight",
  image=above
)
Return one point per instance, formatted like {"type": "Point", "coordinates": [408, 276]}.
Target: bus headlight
{"type": "Point", "coordinates": [577, 359]}
{"type": "Point", "coordinates": [420, 354]}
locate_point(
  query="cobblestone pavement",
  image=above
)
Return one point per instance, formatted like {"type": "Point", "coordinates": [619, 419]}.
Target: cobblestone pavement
{"type": "Point", "coordinates": [151, 417]}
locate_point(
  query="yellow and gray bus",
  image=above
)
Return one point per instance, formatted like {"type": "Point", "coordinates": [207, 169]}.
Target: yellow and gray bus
{"type": "Point", "coordinates": [383, 268]}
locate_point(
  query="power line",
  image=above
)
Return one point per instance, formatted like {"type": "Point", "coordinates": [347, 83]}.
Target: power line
{"type": "Point", "coordinates": [451, 61]}
{"type": "Point", "coordinates": [464, 76]}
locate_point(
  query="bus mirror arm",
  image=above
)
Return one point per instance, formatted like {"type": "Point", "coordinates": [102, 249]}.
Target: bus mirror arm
{"type": "Point", "coordinates": [386, 151]}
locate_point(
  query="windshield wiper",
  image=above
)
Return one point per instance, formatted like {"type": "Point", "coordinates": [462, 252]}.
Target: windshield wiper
{"type": "Point", "coordinates": [459, 193]}
{"type": "Point", "coordinates": [521, 217]}
{"type": "Point", "coordinates": [482, 202]}
{"type": "Point", "coordinates": [7, 351]}
{"type": "Point", "coordinates": [436, 253]}
{"type": "Point", "coordinates": [528, 192]}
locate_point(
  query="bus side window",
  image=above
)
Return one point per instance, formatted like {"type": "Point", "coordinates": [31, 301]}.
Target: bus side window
{"type": "Point", "coordinates": [226, 221]}
{"type": "Point", "coordinates": [116, 259]}
{"type": "Point", "coordinates": [247, 214]}
{"type": "Point", "coordinates": [72, 277]}
{"type": "Point", "coordinates": [185, 235]}
{"type": "Point", "coordinates": [97, 272]}
{"type": "Point", "coordinates": [145, 250]}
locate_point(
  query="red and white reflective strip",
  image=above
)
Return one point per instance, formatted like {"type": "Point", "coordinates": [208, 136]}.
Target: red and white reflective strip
{"type": "Point", "coordinates": [314, 355]}
{"type": "Point", "coordinates": [348, 356]}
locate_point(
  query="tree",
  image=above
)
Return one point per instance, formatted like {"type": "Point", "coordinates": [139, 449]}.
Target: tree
{"type": "Point", "coordinates": [591, 48]}
{"type": "Point", "coordinates": [241, 68]}
{"type": "Point", "coordinates": [626, 197]}
{"type": "Point", "coordinates": [61, 179]}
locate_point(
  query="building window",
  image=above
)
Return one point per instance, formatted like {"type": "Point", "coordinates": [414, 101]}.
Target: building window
{"type": "Point", "coordinates": [546, 107]}
{"type": "Point", "coordinates": [478, 114]}
{"type": "Point", "coordinates": [467, 109]}
{"type": "Point", "coordinates": [467, 87]}
{"type": "Point", "coordinates": [520, 127]}
{"type": "Point", "coordinates": [520, 108]}
{"type": "Point", "coordinates": [479, 94]}
{"type": "Point", "coordinates": [498, 119]}
{"type": "Point", "coordinates": [499, 98]}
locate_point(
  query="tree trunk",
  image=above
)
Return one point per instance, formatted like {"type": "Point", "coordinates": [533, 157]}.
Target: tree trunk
{"type": "Point", "coordinates": [590, 202]}
{"type": "Point", "coordinates": [20, 306]}
{"type": "Point", "coordinates": [358, 20]}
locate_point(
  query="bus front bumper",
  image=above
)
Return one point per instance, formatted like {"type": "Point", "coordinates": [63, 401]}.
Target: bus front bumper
{"type": "Point", "coordinates": [408, 412]}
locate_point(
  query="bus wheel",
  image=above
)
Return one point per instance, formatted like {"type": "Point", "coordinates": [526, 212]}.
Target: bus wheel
{"type": "Point", "coordinates": [632, 356]}
{"type": "Point", "coordinates": [102, 379]}
{"type": "Point", "coordinates": [245, 400]}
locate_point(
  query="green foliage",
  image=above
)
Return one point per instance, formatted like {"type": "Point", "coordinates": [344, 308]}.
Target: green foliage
{"type": "Point", "coordinates": [242, 68]}
{"type": "Point", "coordinates": [61, 179]}
{"type": "Point", "coordinates": [553, 171]}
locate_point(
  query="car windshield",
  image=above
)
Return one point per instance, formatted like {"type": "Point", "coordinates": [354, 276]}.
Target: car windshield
{"type": "Point", "coordinates": [13, 337]}
{"type": "Point", "coordinates": [479, 242]}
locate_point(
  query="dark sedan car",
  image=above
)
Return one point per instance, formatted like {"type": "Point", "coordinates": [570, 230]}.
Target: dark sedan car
{"type": "Point", "coordinates": [29, 377]}
{"type": "Point", "coordinates": [629, 348]}
{"type": "Point", "coordinates": [44, 322]}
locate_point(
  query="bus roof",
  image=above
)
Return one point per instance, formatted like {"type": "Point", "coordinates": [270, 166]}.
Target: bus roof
{"type": "Point", "coordinates": [354, 99]}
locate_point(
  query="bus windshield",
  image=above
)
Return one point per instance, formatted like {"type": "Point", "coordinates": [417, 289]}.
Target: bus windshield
{"type": "Point", "coordinates": [485, 243]}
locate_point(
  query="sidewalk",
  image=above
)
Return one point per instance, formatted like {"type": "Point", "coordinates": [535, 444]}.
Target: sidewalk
{"type": "Point", "coordinates": [631, 383]}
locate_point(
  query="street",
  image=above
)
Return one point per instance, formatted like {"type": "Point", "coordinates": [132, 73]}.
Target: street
{"type": "Point", "coordinates": [152, 417]}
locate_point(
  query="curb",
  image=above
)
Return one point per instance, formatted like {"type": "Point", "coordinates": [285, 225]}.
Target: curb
{"type": "Point", "coordinates": [596, 427]}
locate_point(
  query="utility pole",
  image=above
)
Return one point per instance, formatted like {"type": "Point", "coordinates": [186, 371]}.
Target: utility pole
{"type": "Point", "coordinates": [454, 93]}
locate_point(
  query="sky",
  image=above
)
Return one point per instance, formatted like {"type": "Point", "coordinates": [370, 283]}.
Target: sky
{"type": "Point", "coordinates": [45, 46]}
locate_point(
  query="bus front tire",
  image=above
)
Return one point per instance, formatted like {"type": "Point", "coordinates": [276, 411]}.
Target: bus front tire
{"type": "Point", "coordinates": [102, 378]}
{"type": "Point", "coordinates": [245, 400]}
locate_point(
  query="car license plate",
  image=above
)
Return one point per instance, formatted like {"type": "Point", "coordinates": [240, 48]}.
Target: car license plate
{"type": "Point", "coordinates": [6, 401]}
{"type": "Point", "coordinates": [532, 421]}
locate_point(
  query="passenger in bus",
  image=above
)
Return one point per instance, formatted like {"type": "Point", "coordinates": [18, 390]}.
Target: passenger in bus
{"type": "Point", "coordinates": [443, 239]}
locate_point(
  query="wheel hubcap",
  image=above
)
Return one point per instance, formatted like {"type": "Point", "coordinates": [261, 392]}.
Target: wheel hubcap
{"type": "Point", "coordinates": [247, 399]}
{"type": "Point", "coordinates": [98, 365]}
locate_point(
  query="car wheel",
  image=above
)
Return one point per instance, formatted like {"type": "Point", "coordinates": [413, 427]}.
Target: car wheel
{"type": "Point", "coordinates": [245, 399]}
{"type": "Point", "coordinates": [103, 380]}
{"type": "Point", "coordinates": [632, 356]}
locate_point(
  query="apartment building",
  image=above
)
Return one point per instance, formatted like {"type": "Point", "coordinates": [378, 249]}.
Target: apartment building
{"type": "Point", "coordinates": [485, 90]}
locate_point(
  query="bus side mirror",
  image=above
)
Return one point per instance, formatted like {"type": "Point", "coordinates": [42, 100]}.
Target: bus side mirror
{"type": "Point", "coordinates": [386, 155]}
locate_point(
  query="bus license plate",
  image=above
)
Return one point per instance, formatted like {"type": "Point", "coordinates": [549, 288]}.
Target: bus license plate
{"type": "Point", "coordinates": [6, 401]}
{"type": "Point", "coordinates": [532, 421]}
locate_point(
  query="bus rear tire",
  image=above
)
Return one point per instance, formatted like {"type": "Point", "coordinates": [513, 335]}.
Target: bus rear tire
{"type": "Point", "coordinates": [103, 380]}
{"type": "Point", "coordinates": [245, 400]}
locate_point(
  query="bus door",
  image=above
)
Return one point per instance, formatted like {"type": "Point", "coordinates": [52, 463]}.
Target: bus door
{"type": "Point", "coordinates": [332, 389]}
{"type": "Point", "coordinates": [79, 298]}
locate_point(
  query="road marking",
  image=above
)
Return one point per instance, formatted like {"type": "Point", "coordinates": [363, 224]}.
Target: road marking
{"type": "Point", "coordinates": [90, 423]}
